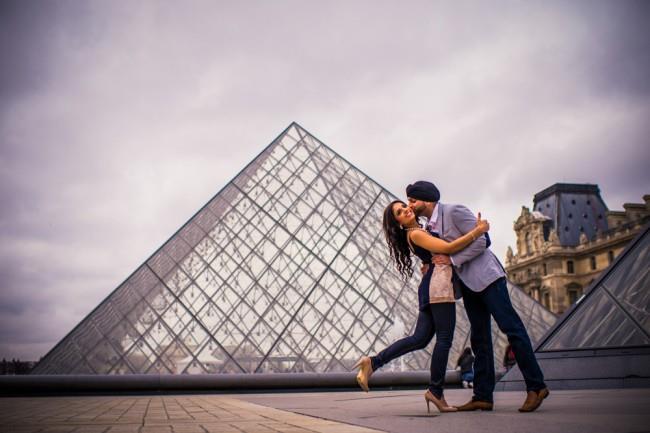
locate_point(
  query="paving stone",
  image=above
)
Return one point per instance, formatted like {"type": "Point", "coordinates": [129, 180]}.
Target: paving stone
{"type": "Point", "coordinates": [93, 428]}
{"type": "Point", "coordinates": [156, 420]}
{"type": "Point", "coordinates": [157, 429]}
{"type": "Point", "coordinates": [189, 428]}
{"type": "Point", "coordinates": [59, 429]}
{"type": "Point", "coordinates": [253, 427]}
{"type": "Point", "coordinates": [220, 428]}
{"type": "Point", "coordinates": [23, 429]}
{"type": "Point", "coordinates": [285, 428]}
{"type": "Point", "coordinates": [124, 429]}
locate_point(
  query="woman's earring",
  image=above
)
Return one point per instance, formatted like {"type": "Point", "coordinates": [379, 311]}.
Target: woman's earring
{"type": "Point", "coordinates": [401, 227]}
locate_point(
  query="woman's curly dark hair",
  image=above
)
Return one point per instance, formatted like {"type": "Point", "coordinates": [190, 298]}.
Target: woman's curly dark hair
{"type": "Point", "coordinates": [397, 243]}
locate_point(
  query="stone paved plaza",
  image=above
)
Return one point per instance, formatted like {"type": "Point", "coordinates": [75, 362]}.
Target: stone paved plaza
{"type": "Point", "coordinates": [153, 414]}
{"type": "Point", "coordinates": [592, 411]}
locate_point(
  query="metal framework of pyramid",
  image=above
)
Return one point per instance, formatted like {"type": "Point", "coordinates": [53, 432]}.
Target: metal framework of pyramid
{"type": "Point", "coordinates": [603, 340]}
{"type": "Point", "coordinates": [284, 270]}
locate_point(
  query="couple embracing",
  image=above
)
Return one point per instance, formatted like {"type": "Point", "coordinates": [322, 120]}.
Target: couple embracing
{"type": "Point", "coordinates": [456, 261]}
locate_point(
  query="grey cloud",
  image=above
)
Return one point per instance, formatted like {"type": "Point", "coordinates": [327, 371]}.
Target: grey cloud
{"type": "Point", "coordinates": [23, 68]}
{"type": "Point", "coordinates": [620, 44]}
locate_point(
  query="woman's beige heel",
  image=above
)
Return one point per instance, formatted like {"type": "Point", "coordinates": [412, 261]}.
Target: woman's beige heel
{"type": "Point", "coordinates": [365, 371]}
{"type": "Point", "coordinates": [440, 403]}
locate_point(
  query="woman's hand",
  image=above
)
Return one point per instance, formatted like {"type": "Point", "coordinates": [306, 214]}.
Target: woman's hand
{"type": "Point", "coordinates": [482, 225]}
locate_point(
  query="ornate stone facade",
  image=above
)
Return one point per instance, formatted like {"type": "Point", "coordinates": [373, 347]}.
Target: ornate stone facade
{"type": "Point", "coordinates": [562, 247]}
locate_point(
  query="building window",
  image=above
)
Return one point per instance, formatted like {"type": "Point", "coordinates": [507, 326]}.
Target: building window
{"type": "Point", "coordinates": [547, 300]}
{"type": "Point", "coordinates": [610, 256]}
{"type": "Point", "coordinates": [529, 245]}
{"type": "Point", "coordinates": [574, 291]}
{"type": "Point", "coordinates": [535, 293]}
{"type": "Point", "coordinates": [544, 269]}
{"type": "Point", "coordinates": [569, 267]}
{"type": "Point", "coordinates": [592, 260]}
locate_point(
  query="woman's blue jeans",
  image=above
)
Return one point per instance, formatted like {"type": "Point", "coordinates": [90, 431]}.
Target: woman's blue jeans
{"type": "Point", "coordinates": [435, 319]}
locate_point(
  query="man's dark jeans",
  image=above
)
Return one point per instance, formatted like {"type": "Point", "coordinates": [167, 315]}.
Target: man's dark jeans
{"type": "Point", "coordinates": [435, 319]}
{"type": "Point", "coordinates": [494, 301]}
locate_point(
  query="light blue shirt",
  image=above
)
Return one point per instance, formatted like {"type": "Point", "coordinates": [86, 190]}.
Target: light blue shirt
{"type": "Point", "coordinates": [432, 224]}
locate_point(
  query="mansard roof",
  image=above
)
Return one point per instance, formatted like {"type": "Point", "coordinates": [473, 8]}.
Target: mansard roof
{"type": "Point", "coordinates": [574, 209]}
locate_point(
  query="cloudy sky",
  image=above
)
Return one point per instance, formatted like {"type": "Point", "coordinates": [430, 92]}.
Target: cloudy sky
{"type": "Point", "coordinates": [119, 119]}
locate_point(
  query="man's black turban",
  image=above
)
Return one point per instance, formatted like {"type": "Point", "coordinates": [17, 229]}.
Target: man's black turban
{"type": "Point", "coordinates": [423, 190]}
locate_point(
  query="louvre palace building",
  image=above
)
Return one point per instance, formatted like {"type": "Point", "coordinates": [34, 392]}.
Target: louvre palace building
{"type": "Point", "coordinates": [567, 239]}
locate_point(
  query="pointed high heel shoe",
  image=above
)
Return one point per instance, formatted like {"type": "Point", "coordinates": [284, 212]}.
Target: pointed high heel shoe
{"type": "Point", "coordinates": [365, 371]}
{"type": "Point", "coordinates": [440, 403]}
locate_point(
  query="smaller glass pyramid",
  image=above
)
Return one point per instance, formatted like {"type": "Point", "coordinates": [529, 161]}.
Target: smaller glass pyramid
{"type": "Point", "coordinates": [603, 341]}
{"type": "Point", "coordinates": [616, 311]}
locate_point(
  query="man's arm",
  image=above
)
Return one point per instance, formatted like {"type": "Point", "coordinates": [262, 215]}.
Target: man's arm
{"type": "Point", "coordinates": [465, 221]}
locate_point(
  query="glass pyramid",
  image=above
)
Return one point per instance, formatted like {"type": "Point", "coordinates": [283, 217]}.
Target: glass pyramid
{"type": "Point", "coordinates": [283, 270]}
{"type": "Point", "coordinates": [616, 311]}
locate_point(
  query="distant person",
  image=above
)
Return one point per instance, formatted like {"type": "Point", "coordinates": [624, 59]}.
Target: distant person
{"type": "Point", "coordinates": [436, 299]}
{"type": "Point", "coordinates": [509, 357]}
{"type": "Point", "coordinates": [481, 279]}
{"type": "Point", "coordinates": [465, 363]}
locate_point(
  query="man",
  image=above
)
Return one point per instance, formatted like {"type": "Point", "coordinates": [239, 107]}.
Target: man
{"type": "Point", "coordinates": [480, 277]}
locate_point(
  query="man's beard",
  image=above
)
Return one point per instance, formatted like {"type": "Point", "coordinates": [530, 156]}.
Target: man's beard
{"type": "Point", "coordinates": [418, 212]}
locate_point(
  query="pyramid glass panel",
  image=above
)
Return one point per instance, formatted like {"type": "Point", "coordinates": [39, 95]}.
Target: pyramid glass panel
{"type": "Point", "coordinates": [630, 284]}
{"type": "Point", "coordinates": [284, 270]}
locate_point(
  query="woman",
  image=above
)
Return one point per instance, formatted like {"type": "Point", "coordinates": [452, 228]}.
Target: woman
{"type": "Point", "coordinates": [437, 308]}
{"type": "Point", "coordinates": [466, 365]}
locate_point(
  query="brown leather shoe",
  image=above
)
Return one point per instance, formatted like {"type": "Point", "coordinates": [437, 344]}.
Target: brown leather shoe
{"type": "Point", "coordinates": [534, 400]}
{"type": "Point", "coordinates": [475, 405]}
